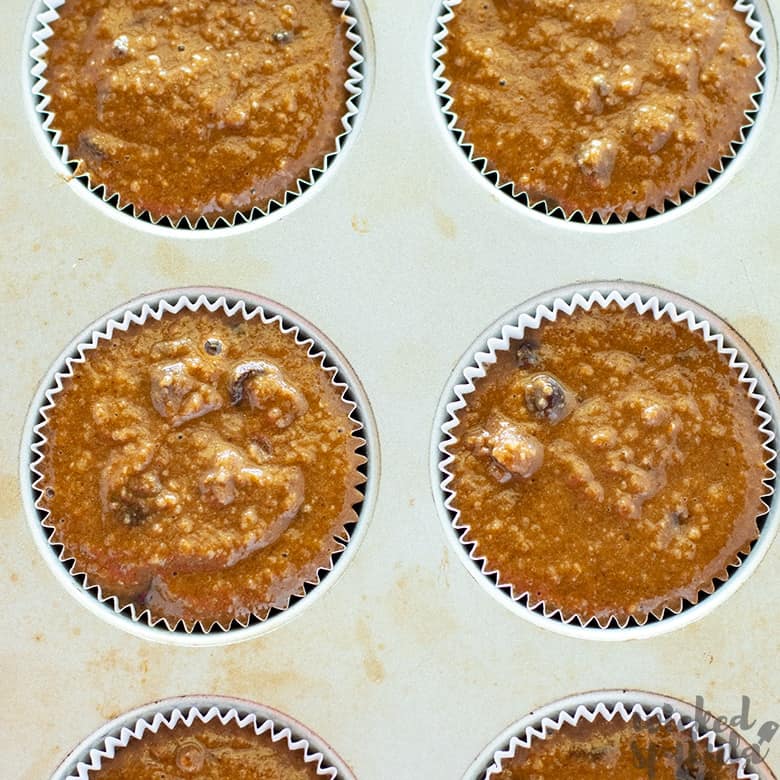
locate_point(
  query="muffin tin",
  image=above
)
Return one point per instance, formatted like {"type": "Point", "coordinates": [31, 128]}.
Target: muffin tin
{"type": "Point", "coordinates": [403, 258]}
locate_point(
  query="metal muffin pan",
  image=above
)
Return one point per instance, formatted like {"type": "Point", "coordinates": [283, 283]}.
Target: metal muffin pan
{"type": "Point", "coordinates": [402, 258]}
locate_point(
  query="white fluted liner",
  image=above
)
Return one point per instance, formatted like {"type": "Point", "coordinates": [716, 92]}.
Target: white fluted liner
{"type": "Point", "coordinates": [513, 190]}
{"type": "Point", "coordinates": [628, 706]}
{"type": "Point", "coordinates": [87, 759]}
{"type": "Point", "coordinates": [512, 327]}
{"type": "Point", "coordinates": [47, 14]}
{"type": "Point", "coordinates": [156, 306]}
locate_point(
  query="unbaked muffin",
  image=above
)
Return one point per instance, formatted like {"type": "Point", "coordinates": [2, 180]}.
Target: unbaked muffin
{"type": "Point", "coordinates": [633, 750]}
{"type": "Point", "coordinates": [204, 108]}
{"type": "Point", "coordinates": [201, 466]}
{"type": "Point", "coordinates": [206, 751]}
{"type": "Point", "coordinates": [602, 107]}
{"type": "Point", "coordinates": [608, 466]}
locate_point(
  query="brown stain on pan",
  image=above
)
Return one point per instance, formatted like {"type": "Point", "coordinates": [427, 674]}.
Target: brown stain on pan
{"type": "Point", "coordinates": [107, 257]}
{"type": "Point", "coordinates": [445, 224]}
{"type": "Point", "coordinates": [372, 664]}
{"type": "Point", "coordinates": [145, 670]}
{"type": "Point", "coordinates": [360, 225]}
{"type": "Point", "coordinates": [238, 672]}
{"type": "Point", "coordinates": [444, 568]}
{"type": "Point", "coordinates": [412, 603]}
{"type": "Point", "coordinates": [171, 261]}
{"type": "Point", "coordinates": [9, 490]}
{"type": "Point", "coordinates": [44, 751]}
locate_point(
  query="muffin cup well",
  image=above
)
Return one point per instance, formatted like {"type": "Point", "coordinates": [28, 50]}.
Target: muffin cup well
{"type": "Point", "coordinates": [627, 705]}
{"type": "Point", "coordinates": [45, 13]}
{"type": "Point", "coordinates": [759, 20]}
{"type": "Point", "coordinates": [87, 758]}
{"type": "Point", "coordinates": [529, 316]}
{"type": "Point", "coordinates": [230, 302]}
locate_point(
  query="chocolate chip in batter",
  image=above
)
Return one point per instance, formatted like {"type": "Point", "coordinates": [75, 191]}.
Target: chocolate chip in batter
{"type": "Point", "coordinates": [546, 397]}
{"type": "Point", "coordinates": [527, 355]}
{"type": "Point", "coordinates": [213, 346]}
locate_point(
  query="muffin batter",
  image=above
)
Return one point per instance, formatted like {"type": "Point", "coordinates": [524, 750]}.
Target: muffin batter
{"type": "Point", "coordinates": [636, 750]}
{"type": "Point", "coordinates": [199, 108]}
{"type": "Point", "coordinates": [201, 466]}
{"type": "Point", "coordinates": [206, 751]}
{"type": "Point", "coordinates": [609, 465]}
{"type": "Point", "coordinates": [602, 106]}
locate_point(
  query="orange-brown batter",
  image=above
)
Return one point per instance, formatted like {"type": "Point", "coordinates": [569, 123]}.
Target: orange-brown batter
{"type": "Point", "coordinates": [206, 751]}
{"type": "Point", "coordinates": [200, 466]}
{"type": "Point", "coordinates": [610, 465]}
{"type": "Point", "coordinates": [602, 106]}
{"type": "Point", "coordinates": [198, 107]}
{"type": "Point", "coordinates": [636, 750]}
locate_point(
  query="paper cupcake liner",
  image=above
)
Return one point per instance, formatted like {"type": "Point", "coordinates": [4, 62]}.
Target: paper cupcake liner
{"type": "Point", "coordinates": [563, 302]}
{"type": "Point", "coordinates": [87, 759]}
{"type": "Point", "coordinates": [46, 14]}
{"type": "Point", "coordinates": [511, 188]}
{"type": "Point", "coordinates": [727, 743]}
{"type": "Point", "coordinates": [230, 302]}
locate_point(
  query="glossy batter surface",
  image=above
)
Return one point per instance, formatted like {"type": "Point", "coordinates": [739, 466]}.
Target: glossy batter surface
{"type": "Point", "coordinates": [209, 751]}
{"type": "Point", "coordinates": [602, 106]}
{"type": "Point", "coordinates": [198, 107]}
{"type": "Point", "coordinates": [609, 465]}
{"type": "Point", "coordinates": [200, 466]}
{"type": "Point", "coordinates": [636, 750]}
